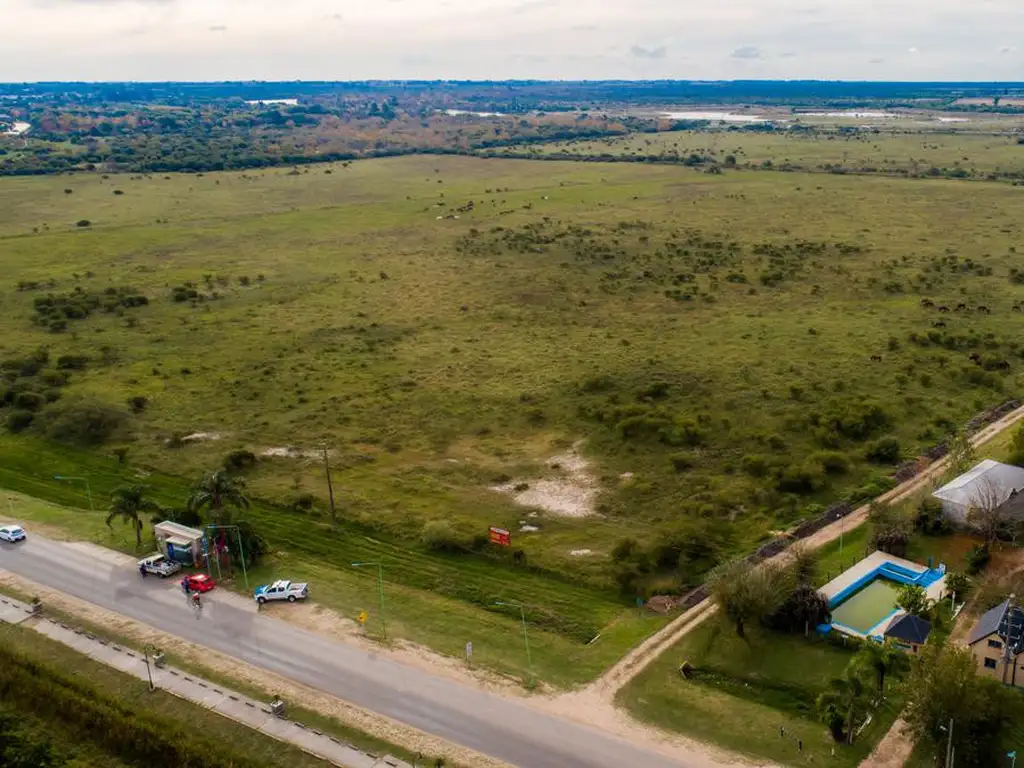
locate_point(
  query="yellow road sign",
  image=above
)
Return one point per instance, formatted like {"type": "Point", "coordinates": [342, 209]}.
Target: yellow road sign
{"type": "Point", "coordinates": [363, 616]}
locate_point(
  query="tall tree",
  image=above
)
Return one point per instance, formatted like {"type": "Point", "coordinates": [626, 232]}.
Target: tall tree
{"type": "Point", "coordinates": [944, 686]}
{"type": "Point", "coordinates": [842, 705]}
{"type": "Point", "coordinates": [217, 492]}
{"type": "Point", "coordinates": [884, 661]}
{"type": "Point", "coordinates": [128, 502]}
{"type": "Point", "coordinates": [804, 563]}
{"type": "Point", "coordinates": [987, 515]}
{"type": "Point", "coordinates": [961, 455]}
{"type": "Point", "coordinates": [747, 593]}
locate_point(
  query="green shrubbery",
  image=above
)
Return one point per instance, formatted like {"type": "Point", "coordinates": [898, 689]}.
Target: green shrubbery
{"type": "Point", "coordinates": [81, 422]}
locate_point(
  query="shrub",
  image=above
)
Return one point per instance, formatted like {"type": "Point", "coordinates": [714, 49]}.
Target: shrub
{"type": "Point", "coordinates": [72, 362]}
{"type": "Point", "coordinates": [794, 479]}
{"type": "Point", "coordinates": [81, 422]}
{"type": "Point", "coordinates": [958, 583]}
{"type": "Point", "coordinates": [832, 462]}
{"type": "Point", "coordinates": [884, 451]}
{"type": "Point", "coordinates": [624, 550]}
{"type": "Point", "coordinates": [977, 559]}
{"type": "Point", "coordinates": [303, 502]}
{"type": "Point", "coordinates": [138, 403]}
{"type": "Point", "coordinates": [29, 401]}
{"type": "Point", "coordinates": [18, 421]}
{"type": "Point", "coordinates": [930, 519]}
{"type": "Point", "coordinates": [54, 378]}
{"type": "Point", "coordinates": [83, 223]}
{"type": "Point", "coordinates": [241, 459]}
{"type": "Point", "coordinates": [754, 465]}
{"type": "Point", "coordinates": [681, 461]}
{"type": "Point", "coordinates": [440, 536]}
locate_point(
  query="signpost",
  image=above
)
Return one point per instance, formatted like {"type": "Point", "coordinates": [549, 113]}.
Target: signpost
{"type": "Point", "coordinates": [469, 652]}
{"type": "Point", "coordinates": [501, 537]}
{"type": "Point", "coordinates": [363, 616]}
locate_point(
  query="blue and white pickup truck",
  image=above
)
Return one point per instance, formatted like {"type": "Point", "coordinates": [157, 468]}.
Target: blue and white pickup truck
{"type": "Point", "coordinates": [281, 590]}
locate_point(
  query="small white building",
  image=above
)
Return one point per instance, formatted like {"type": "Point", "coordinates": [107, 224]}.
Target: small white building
{"type": "Point", "coordinates": [989, 484]}
{"type": "Point", "coordinates": [179, 542]}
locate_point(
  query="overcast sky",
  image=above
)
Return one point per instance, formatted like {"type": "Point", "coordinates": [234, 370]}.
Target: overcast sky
{"type": "Point", "coordinates": [498, 39]}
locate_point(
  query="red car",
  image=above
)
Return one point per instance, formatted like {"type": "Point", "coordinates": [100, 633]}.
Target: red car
{"type": "Point", "coordinates": [199, 582]}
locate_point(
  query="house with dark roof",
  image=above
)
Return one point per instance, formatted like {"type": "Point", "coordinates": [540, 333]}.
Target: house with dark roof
{"type": "Point", "coordinates": [908, 632]}
{"type": "Point", "coordinates": [997, 642]}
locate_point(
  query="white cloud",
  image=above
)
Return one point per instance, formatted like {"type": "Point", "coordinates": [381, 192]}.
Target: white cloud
{"type": "Point", "coordinates": [570, 39]}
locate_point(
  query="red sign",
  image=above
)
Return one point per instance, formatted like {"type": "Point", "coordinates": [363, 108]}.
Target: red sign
{"type": "Point", "coordinates": [501, 537]}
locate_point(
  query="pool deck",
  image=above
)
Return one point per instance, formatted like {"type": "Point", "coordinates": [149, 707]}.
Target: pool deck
{"type": "Point", "coordinates": [850, 580]}
{"type": "Point", "coordinates": [872, 563]}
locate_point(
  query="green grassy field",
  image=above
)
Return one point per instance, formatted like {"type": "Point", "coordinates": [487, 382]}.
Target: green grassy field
{"type": "Point", "coordinates": [889, 151]}
{"type": "Point", "coordinates": [730, 348]}
{"type": "Point", "coordinates": [766, 683]}
{"type": "Point", "coordinates": [135, 695]}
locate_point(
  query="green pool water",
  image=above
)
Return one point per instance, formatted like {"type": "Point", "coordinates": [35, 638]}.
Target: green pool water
{"type": "Point", "coordinates": [864, 609]}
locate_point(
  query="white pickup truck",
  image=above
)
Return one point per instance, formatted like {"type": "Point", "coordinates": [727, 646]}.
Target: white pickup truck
{"type": "Point", "coordinates": [281, 590]}
{"type": "Point", "coordinates": [159, 565]}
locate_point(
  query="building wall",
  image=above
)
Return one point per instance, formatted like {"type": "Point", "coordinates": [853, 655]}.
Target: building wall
{"type": "Point", "coordinates": [1003, 672]}
{"type": "Point", "coordinates": [982, 651]}
{"type": "Point", "coordinates": [955, 512]}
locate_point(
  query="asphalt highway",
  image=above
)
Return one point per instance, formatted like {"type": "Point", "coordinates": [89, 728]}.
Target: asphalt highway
{"type": "Point", "coordinates": [503, 728]}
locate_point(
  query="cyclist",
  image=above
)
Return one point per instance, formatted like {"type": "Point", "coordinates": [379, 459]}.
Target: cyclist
{"type": "Point", "coordinates": [196, 601]}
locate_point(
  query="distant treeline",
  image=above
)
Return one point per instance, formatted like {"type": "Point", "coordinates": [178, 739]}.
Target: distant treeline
{"type": "Point", "coordinates": [513, 95]}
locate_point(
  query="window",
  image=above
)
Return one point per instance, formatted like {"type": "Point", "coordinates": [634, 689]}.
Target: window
{"type": "Point", "coordinates": [990, 663]}
{"type": "Point", "coordinates": [994, 644]}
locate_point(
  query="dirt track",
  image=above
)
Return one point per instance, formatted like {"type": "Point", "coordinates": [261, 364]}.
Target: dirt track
{"type": "Point", "coordinates": [640, 657]}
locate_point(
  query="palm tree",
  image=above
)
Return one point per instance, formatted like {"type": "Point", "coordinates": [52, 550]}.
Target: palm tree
{"type": "Point", "coordinates": [839, 705]}
{"type": "Point", "coordinates": [217, 492]}
{"type": "Point", "coordinates": [128, 502]}
{"type": "Point", "coordinates": [883, 660]}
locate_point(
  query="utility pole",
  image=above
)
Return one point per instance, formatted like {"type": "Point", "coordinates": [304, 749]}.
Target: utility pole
{"type": "Point", "coordinates": [949, 746]}
{"type": "Point", "coordinates": [330, 487]}
{"type": "Point", "coordinates": [149, 670]}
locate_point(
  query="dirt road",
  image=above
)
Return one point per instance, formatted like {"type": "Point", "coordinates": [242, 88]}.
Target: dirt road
{"type": "Point", "coordinates": [640, 657]}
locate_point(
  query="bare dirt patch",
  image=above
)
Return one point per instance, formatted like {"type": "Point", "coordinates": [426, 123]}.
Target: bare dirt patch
{"type": "Point", "coordinates": [569, 490]}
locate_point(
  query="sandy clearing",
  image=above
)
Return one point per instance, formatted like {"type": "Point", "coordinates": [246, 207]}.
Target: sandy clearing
{"type": "Point", "coordinates": [572, 492]}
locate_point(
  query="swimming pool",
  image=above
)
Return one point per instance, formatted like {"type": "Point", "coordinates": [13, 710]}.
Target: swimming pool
{"type": "Point", "coordinates": [866, 608]}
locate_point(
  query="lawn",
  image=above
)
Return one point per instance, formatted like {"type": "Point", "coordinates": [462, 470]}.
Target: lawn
{"type": "Point", "coordinates": [765, 684]}
{"type": "Point", "coordinates": [838, 555]}
{"type": "Point", "coordinates": [729, 362]}
{"type": "Point", "coordinates": [135, 694]}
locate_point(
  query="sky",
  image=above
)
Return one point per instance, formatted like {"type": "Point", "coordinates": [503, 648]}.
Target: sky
{"type": "Point", "coordinates": [511, 39]}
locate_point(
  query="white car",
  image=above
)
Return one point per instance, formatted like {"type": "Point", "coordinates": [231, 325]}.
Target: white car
{"type": "Point", "coordinates": [12, 533]}
{"type": "Point", "coordinates": [159, 565]}
{"type": "Point", "coordinates": [281, 590]}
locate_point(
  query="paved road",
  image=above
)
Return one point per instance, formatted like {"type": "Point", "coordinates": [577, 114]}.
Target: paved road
{"type": "Point", "coordinates": [505, 729]}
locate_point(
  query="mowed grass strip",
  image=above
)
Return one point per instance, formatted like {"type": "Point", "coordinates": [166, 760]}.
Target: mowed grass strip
{"type": "Point", "coordinates": [134, 694]}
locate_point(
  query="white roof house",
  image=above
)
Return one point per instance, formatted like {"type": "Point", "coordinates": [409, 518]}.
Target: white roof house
{"type": "Point", "coordinates": [989, 483]}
